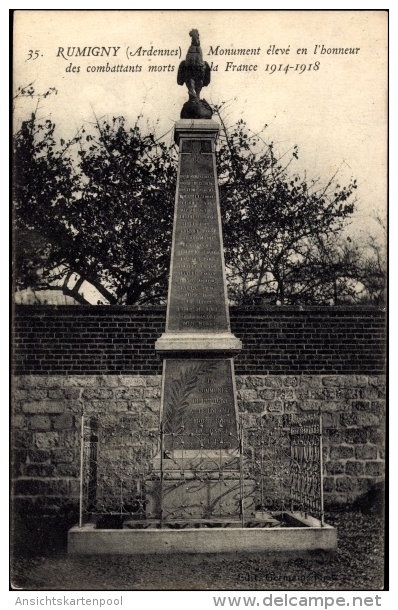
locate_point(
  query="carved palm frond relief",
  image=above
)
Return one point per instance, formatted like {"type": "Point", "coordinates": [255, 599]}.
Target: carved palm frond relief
{"type": "Point", "coordinates": [177, 402]}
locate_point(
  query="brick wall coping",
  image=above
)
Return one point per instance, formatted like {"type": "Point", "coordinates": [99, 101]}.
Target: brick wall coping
{"type": "Point", "coordinates": [255, 309]}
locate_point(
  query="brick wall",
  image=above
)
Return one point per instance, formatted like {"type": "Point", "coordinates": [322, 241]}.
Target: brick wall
{"type": "Point", "coordinates": [106, 340]}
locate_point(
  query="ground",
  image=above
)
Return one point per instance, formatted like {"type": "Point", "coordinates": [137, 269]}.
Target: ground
{"type": "Point", "coordinates": [358, 564]}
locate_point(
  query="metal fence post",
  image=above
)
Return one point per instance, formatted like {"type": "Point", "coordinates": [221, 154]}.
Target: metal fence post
{"type": "Point", "coordinates": [321, 468]}
{"type": "Point", "coordinates": [242, 500]}
{"type": "Point", "coordinates": [81, 472]}
{"type": "Point", "coordinates": [161, 473]}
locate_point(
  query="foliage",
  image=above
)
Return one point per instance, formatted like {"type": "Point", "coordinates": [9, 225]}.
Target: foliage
{"type": "Point", "coordinates": [44, 183]}
{"type": "Point", "coordinates": [97, 211]}
{"type": "Point", "coordinates": [369, 263]}
{"type": "Point", "coordinates": [101, 215]}
{"type": "Point", "coordinates": [279, 228]}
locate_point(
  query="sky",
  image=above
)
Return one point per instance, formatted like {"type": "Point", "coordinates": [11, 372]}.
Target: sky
{"type": "Point", "coordinates": [332, 106]}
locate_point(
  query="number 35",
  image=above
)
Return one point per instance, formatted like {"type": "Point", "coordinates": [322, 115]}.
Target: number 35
{"type": "Point", "coordinates": [33, 54]}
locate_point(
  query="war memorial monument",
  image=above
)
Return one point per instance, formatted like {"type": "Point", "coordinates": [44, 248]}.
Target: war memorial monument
{"type": "Point", "coordinates": [207, 479]}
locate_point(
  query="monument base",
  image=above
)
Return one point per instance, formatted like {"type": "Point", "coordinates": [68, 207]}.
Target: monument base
{"type": "Point", "coordinates": [300, 534]}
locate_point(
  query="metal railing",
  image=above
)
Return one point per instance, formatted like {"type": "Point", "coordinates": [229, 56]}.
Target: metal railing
{"type": "Point", "coordinates": [132, 471]}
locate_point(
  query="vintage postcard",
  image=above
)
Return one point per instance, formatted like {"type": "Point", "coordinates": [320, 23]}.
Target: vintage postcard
{"type": "Point", "coordinates": [273, 345]}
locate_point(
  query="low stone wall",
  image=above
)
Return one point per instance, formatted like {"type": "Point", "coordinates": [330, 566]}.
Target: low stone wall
{"type": "Point", "coordinates": [47, 416]}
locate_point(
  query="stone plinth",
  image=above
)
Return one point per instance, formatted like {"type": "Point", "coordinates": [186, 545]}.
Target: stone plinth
{"type": "Point", "coordinates": [302, 536]}
{"type": "Point", "coordinates": [199, 407]}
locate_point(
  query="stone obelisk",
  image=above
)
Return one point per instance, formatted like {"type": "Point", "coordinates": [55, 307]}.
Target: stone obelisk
{"type": "Point", "coordinates": [199, 408]}
{"type": "Point", "coordinates": [198, 341]}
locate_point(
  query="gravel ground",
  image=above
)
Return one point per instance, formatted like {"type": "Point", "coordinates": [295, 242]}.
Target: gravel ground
{"type": "Point", "coordinates": [358, 564]}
